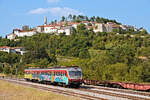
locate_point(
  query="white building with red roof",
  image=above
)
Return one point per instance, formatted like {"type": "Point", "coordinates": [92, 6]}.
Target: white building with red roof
{"type": "Point", "coordinates": [85, 22]}
{"type": "Point", "coordinates": [67, 30]}
{"type": "Point", "coordinates": [11, 36]}
{"type": "Point", "coordinates": [99, 27]}
{"type": "Point", "coordinates": [22, 33]}
{"type": "Point", "coordinates": [55, 28]}
{"type": "Point", "coordinates": [46, 29]}
{"type": "Point", "coordinates": [74, 24]}
{"type": "Point", "coordinates": [5, 49]}
{"type": "Point", "coordinates": [50, 29]}
{"type": "Point", "coordinates": [18, 50]}
{"type": "Point", "coordinates": [40, 29]}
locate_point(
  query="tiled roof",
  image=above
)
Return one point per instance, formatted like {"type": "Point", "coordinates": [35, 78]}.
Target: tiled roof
{"type": "Point", "coordinates": [115, 26]}
{"type": "Point", "coordinates": [11, 47]}
{"type": "Point", "coordinates": [46, 26]}
{"type": "Point", "coordinates": [49, 25]}
{"type": "Point", "coordinates": [16, 29]}
{"type": "Point", "coordinates": [25, 31]}
{"type": "Point", "coordinates": [16, 47]}
{"type": "Point", "coordinates": [4, 47]}
{"type": "Point", "coordinates": [54, 27]}
{"type": "Point", "coordinates": [85, 21]}
{"type": "Point", "coordinates": [10, 34]}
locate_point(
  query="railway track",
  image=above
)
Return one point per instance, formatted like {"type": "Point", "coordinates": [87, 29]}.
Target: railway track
{"type": "Point", "coordinates": [122, 90]}
{"type": "Point", "coordinates": [66, 92]}
{"type": "Point", "coordinates": [89, 92]}
{"type": "Point", "coordinates": [116, 93]}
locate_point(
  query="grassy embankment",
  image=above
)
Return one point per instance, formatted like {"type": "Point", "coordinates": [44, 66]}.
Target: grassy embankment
{"type": "Point", "coordinates": [10, 91]}
{"type": "Point", "coordinates": [67, 61]}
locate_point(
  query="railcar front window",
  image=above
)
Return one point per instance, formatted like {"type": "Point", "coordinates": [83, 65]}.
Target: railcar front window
{"type": "Point", "coordinates": [74, 73]}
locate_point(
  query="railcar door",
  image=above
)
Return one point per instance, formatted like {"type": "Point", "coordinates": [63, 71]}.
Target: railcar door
{"type": "Point", "coordinates": [52, 76]}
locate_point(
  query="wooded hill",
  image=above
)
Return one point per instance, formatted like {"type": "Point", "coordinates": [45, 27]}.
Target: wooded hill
{"type": "Point", "coordinates": [102, 56]}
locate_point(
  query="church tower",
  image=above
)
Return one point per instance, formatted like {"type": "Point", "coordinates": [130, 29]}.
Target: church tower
{"type": "Point", "coordinates": [45, 20]}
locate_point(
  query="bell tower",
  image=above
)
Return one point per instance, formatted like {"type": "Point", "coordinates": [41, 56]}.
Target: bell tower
{"type": "Point", "coordinates": [45, 20]}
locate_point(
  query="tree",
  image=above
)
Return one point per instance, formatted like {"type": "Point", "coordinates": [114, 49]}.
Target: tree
{"type": "Point", "coordinates": [89, 24]}
{"type": "Point", "coordinates": [84, 53]}
{"type": "Point", "coordinates": [52, 22]}
{"type": "Point", "coordinates": [119, 30]}
{"type": "Point", "coordinates": [70, 17]}
{"type": "Point", "coordinates": [74, 17]}
{"type": "Point", "coordinates": [55, 21]}
{"type": "Point", "coordinates": [86, 18]}
{"type": "Point", "coordinates": [63, 18]}
{"type": "Point", "coordinates": [43, 63]}
{"type": "Point", "coordinates": [37, 47]}
{"type": "Point", "coordinates": [52, 56]}
{"type": "Point", "coordinates": [143, 32]}
{"type": "Point", "coordinates": [116, 72]}
{"type": "Point", "coordinates": [122, 54]}
{"type": "Point", "coordinates": [81, 27]}
{"type": "Point", "coordinates": [1, 68]}
{"type": "Point", "coordinates": [4, 42]}
{"type": "Point", "coordinates": [7, 70]}
{"type": "Point", "coordinates": [135, 74]}
{"type": "Point", "coordinates": [10, 58]}
{"type": "Point", "coordinates": [92, 19]}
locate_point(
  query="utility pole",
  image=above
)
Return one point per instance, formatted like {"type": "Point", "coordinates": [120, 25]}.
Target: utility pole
{"type": "Point", "coordinates": [3, 70]}
{"type": "Point", "coordinates": [16, 72]}
{"type": "Point", "coordinates": [11, 66]}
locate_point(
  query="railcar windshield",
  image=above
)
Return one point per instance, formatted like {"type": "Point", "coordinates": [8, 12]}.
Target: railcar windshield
{"type": "Point", "coordinates": [74, 74]}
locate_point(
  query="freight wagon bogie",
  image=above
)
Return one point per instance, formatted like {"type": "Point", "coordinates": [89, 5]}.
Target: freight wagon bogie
{"type": "Point", "coordinates": [148, 90]}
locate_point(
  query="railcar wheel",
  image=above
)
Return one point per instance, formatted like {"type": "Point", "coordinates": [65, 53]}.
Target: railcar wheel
{"type": "Point", "coordinates": [64, 85]}
{"type": "Point", "coordinates": [77, 86]}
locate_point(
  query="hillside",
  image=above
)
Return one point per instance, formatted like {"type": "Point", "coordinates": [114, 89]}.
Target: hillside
{"type": "Point", "coordinates": [122, 56]}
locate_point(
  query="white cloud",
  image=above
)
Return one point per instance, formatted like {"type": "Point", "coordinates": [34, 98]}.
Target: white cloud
{"type": "Point", "coordinates": [38, 11]}
{"type": "Point", "coordinates": [64, 11]}
{"type": "Point", "coordinates": [52, 1]}
{"type": "Point", "coordinates": [57, 11]}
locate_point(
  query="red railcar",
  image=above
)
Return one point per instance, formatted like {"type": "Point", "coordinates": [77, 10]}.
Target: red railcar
{"type": "Point", "coordinates": [66, 76]}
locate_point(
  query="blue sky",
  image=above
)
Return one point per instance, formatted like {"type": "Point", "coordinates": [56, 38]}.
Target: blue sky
{"type": "Point", "coordinates": [16, 13]}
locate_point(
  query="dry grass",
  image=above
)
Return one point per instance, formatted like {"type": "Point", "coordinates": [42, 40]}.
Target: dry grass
{"type": "Point", "coordinates": [1, 74]}
{"type": "Point", "coordinates": [10, 91]}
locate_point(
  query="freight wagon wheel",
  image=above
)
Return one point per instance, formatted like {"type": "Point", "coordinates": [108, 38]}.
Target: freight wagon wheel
{"type": "Point", "coordinates": [55, 84]}
{"type": "Point", "coordinates": [106, 85]}
{"type": "Point", "coordinates": [117, 86]}
{"type": "Point", "coordinates": [148, 90]}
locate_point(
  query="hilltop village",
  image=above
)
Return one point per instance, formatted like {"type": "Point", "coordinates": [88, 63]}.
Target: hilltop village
{"type": "Point", "coordinates": [66, 27]}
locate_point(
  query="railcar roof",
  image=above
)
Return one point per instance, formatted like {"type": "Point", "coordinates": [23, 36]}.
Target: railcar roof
{"type": "Point", "coordinates": [53, 68]}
